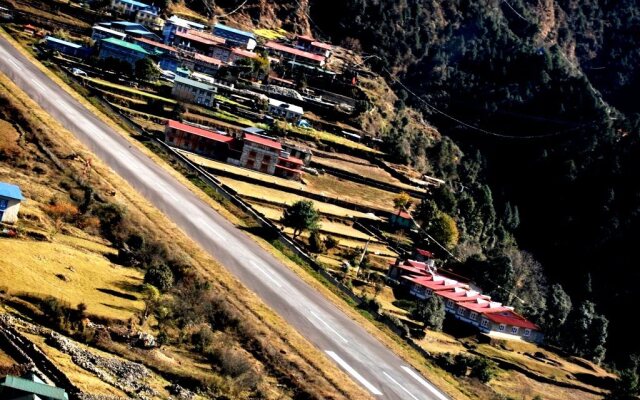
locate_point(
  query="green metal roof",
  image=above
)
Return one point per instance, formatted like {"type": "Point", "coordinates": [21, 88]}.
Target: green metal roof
{"type": "Point", "coordinates": [130, 46]}
{"type": "Point", "coordinates": [193, 83]}
{"type": "Point", "coordinates": [40, 389]}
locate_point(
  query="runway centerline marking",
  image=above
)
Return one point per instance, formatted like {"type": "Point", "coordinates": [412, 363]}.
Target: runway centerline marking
{"type": "Point", "coordinates": [399, 385]}
{"type": "Point", "coordinates": [354, 373]}
{"type": "Point", "coordinates": [266, 273]}
{"type": "Point", "coordinates": [424, 383]}
{"type": "Point", "coordinates": [39, 85]}
{"type": "Point", "coordinates": [328, 326]}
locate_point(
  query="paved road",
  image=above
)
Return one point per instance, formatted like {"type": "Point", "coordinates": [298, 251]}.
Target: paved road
{"type": "Point", "coordinates": [350, 346]}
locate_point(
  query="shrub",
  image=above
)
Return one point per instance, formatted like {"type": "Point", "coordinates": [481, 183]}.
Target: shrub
{"type": "Point", "coordinates": [331, 243]}
{"type": "Point", "coordinates": [316, 243]}
{"type": "Point", "coordinates": [202, 339]}
{"type": "Point", "coordinates": [159, 276]}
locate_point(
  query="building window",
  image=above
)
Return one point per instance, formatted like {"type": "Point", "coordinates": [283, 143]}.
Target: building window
{"type": "Point", "coordinates": [252, 154]}
{"type": "Point", "coordinates": [527, 332]}
{"type": "Point", "coordinates": [473, 316]}
{"type": "Point", "coordinates": [484, 323]}
{"type": "Point", "coordinates": [460, 311]}
{"type": "Point", "coordinates": [502, 327]}
{"type": "Point", "coordinates": [249, 163]}
{"type": "Point", "coordinates": [450, 303]}
{"type": "Point", "coordinates": [266, 159]}
{"type": "Point", "coordinates": [429, 292]}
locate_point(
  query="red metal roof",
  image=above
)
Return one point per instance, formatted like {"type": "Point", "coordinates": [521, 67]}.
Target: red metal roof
{"type": "Point", "coordinates": [511, 318]}
{"type": "Point", "coordinates": [482, 306]}
{"type": "Point", "coordinates": [320, 45]}
{"type": "Point", "coordinates": [416, 264]}
{"type": "Point", "coordinates": [424, 253]}
{"type": "Point", "coordinates": [199, 131]}
{"type": "Point", "coordinates": [208, 36]}
{"type": "Point", "coordinates": [402, 214]}
{"type": "Point", "coordinates": [295, 171]}
{"type": "Point", "coordinates": [295, 52]}
{"type": "Point", "coordinates": [244, 53]}
{"type": "Point", "coordinates": [208, 60]}
{"type": "Point", "coordinates": [263, 141]}
{"type": "Point", "coordinates": [306, 38]}
{"type": "Point", "coordinates": [291, 159]}
{"type": "Point", "coordinates": [209, 40]}
{"type": "Point", "coordinates": [436, 283]}
{"type": "Point", "coordinates": [156, 44]}
{"type": "Point", "coordinates": [463, 295]}
{"type": "Point", "coordinates": [411, 269]}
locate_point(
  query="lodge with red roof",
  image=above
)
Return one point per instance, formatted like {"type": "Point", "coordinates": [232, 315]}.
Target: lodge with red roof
{"type": "Point", "coordinates": [292, 53]}
{"type": "Point", "coordinates": [421, 280]}
{"type": "Point", "coordinates": [252, 151]}
{"type": "Point", "coordinates": [308, 43]}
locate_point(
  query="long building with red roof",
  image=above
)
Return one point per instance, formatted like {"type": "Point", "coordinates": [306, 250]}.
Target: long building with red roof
{"type": "Point", "coordinates": [292, 53]}
{"type": "Point", "coordinates": [462, 302]}
{"type": "Point", "coordinates": [198, 140]}
{"type": "Point", "coordinates": [248, 150]}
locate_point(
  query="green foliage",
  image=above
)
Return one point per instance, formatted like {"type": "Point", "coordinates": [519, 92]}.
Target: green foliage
{"type": "Point", "coordinates": [443, 228]}
{"type": "Point", "coordinates": [430, 312]}
{"type": "Point", "coordinates": [558, 309]}
{"type": "Point", "coordinates": [147, 70]}
{"type": "Point", "coordinates": [627, 385]}
{"type": "Point", "coordinates": [588, 332]}
{"type": "Point", "coordinates": [468, 365]}
{"type": "Point", "coordinates": [159, 276]}
{"type": "Point", "coordinates": [402, 201]}
{"type": "Point", "coordinates": [317, 243]}
{"type": "Point", "coordinates": [301, 216]}
{"type": "Point", "coordinates": [331, 242]}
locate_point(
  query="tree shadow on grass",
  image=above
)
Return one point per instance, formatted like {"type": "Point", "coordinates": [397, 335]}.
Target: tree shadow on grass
{"type": "Point", "coordinates": [116, 293]}
{"type": "Point", "coordinates": [130, 287]}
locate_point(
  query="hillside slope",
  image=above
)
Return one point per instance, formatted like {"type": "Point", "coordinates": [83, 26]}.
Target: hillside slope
{"type": "Point", "coordinates": [538, 99]}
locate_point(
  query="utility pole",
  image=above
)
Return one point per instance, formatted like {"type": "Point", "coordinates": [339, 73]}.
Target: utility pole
{"type": "Point", "coordinates": [364, 253]}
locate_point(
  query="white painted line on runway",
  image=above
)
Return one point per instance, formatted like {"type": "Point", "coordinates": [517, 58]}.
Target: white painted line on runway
{"type": "Point", "coordinates": [354, 373]}
{"type": "Point", "coordinates": [328, 326]}
{"type": "Point", "coordinates": [399, 385]}
{"type": "Point", "coordinates": [424, 383]}
{"type": "Point", "coordinates": [267, 274]}
{"type": "Point", "coordinates": [39, 85]}
{"type": "Point", "coordinates": [14, 62]}
{"type": "Point", "coordinates": [215, 232]}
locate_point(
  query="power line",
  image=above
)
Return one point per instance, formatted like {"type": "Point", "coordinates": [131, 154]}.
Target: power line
{"type": "Point", "coordinates": [476, 128]}
{"type": "Point", "coordinates": [511, 293]}
{"type": "Point", "coordinates": [514, 10]}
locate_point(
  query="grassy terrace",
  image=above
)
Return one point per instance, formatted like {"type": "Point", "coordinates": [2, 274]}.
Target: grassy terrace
{"type": "Point", "coordinates": [329, 227]}
{"type": "Point", "coordinates": [326, 185]}
{"type": "Point", "coordinates": [257, 192]}
{"type": "Point", "coordinates": [330, 138]}
{"type": "Point", "coordinates": [72, 270]}
{"type": "Point", "coordinates": [127, 89]}
{"type": "Point", "coordinates": [360, 168]}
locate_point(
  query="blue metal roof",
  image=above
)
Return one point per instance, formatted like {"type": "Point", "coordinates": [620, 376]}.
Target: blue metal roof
{"type": "Point", "coordinates": [62, 42]}
{"type": "Point", "coordinates": [234, 30]}
{"type": "Point", "coordinates": [135, 3]}
{"type": "Point", "coordinates": [253, 129]}
{"type": "Point", "coordinates": [28, 386]}
{"type": "Point", "coordinates": [10, 191]}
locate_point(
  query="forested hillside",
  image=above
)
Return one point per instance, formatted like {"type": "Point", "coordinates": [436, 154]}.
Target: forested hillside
{"type": "Point", "coordinates": [540, 147]}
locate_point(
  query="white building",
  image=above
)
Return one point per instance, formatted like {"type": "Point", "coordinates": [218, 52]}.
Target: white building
{"type": "Point", "coordinates": [193, 91]}
{"type": "Point", "coordinates": [10, 198]}
{"type": "Point", "coordinates": [284, 110]}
